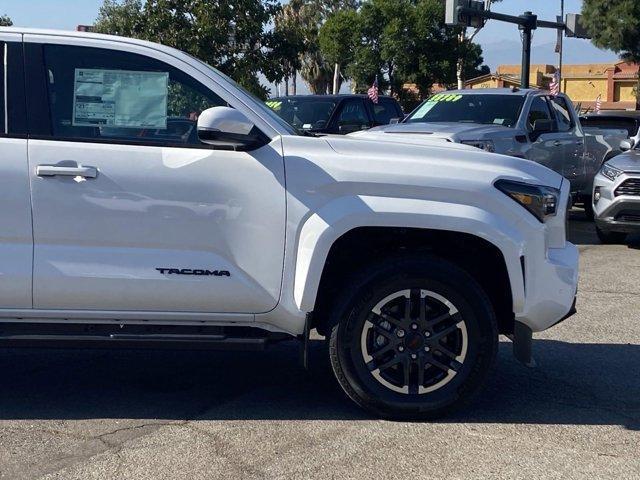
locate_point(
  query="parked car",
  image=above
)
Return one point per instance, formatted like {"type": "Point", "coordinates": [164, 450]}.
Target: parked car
{"type": "Point", "coordinates": [616, 196]}
{"type": "Point", "coordinates": [525, 123]}
{"type": "Point", "coordinates": [614, 119]}
{"type": "Point", "coordinates": [410, 259]}
{"type": "Point", "coordinates": [339, 114]}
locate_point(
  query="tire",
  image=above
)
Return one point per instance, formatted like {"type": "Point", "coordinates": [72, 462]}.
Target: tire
{"type": "Point", "coordinates": [588, 208]}
{"type": "Point", "coordinates": [471, 344]}
{"type": "Point", "coordinates": [610, 238]}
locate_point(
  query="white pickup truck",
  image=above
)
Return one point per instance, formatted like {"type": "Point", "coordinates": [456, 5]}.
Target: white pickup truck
{"type": "Point", "coordinates": [525, 123]}
{"type": "Point", "coordinates": [147, 199]}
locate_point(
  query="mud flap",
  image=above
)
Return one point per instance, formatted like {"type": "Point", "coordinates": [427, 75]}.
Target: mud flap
{"type": "Point", "coordinates": [523, 344]}
{"type": "Point", "coordinates": [304, 342]}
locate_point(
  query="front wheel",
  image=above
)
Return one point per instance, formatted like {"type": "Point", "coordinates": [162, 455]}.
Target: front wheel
{"type": "Point", "coordinates": [414, 338]}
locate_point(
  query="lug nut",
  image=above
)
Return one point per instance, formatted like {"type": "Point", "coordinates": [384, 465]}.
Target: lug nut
{"type": "Point", "coordinates": [427, 334]}
{"type": "Point", "coordinates": [414, 326]}
{"type": "Point", "coordinates": [401, 348]}
{"type": "Point", "coordinates": [426, 349]}
{"type": "Point", "coordinates": [400, 333]}
{"type": "Point", "coordinates": [414, 356]}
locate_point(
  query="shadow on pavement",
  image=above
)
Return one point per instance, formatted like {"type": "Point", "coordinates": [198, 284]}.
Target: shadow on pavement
{"type": "Point", "coordinates": [584, 384]}
{"type": "Point", "coordinates": [583, 231]}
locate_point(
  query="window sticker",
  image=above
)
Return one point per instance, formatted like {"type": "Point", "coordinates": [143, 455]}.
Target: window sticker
{"type": "Point", "coordinates": [120, 98]}
{"type": "Point", "coordinates": [274, 105]}
{"type": "Point", "coordinates": [424, 109]}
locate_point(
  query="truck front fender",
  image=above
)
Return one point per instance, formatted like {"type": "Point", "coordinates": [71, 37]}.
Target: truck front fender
{"type": "Point", "coordinates": [322, 228]}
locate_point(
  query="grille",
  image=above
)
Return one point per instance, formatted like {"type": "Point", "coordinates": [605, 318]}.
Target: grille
{"type": "Point", "coordinates": [629, 187]}
{"type": "Point", "coordinates": [626, 216]}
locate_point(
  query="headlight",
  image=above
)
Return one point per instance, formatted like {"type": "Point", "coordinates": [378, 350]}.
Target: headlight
{"type": "Point", "coordinates": [481, 144]}
{"type": "Point", "coordinates": [610, 172]}
{"type": "Point", "coordinates": [541, 201]}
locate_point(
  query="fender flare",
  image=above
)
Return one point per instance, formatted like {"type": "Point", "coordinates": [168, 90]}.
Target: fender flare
{"type": "Point", "coordinates": [322, 228]}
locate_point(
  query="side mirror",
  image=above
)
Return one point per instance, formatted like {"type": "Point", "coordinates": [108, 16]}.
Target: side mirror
{"type": "Point", "coordinates": [626, 144]}
{"type": "Point", "coordinates": [394, 121]}
{"type": "Point", "coordinates": [227, 127]}
{"type": "Point", "coordinates": [542, 125]}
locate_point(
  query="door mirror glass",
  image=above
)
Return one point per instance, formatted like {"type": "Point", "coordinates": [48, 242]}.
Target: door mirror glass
{"type": "Point", "coordinates": [227, 127]}
{"type": "Point", "coordinates": [542, 125]}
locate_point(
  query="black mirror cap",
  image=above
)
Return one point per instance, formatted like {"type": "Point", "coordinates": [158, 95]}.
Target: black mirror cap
{"type": "Point", "coordinates": [543, 125]}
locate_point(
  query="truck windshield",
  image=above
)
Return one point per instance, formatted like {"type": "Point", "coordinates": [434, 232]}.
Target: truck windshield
{"type": "Point", "coordinates": [308, 113]}
{"type": "Point", "coordinates": [469, 108]}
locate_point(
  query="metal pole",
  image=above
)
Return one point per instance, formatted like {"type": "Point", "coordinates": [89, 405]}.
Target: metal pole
{"type": "Point", "coordinates": [529, 23]}
{"type": "Point", "coordinates": [561, 39]}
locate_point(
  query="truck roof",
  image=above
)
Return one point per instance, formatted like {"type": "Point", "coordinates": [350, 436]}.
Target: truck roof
{"type": "Point", "coordinates": [522, 92]}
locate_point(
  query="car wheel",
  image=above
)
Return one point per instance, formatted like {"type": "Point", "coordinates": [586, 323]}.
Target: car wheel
{"type": "Point", "coordinates": [588, 208]}
{"type": "Point", "coordinates": [610, 238]}
{"type": "Point", "coordinates": [413, 338]}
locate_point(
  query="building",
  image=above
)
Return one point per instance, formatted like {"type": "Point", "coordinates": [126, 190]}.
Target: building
{"type": "Point", "coordinates": [614, 82]}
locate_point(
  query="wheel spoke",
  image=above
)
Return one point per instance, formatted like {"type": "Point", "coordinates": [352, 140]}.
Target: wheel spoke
{"type": "Point", "coordinates": [445, 351]}
{"type": "Point", "coordinates": [446, 331]}
{"type": "Point", "coordinates": [438, 364]}
{"type": "Point", "coordinates": [390, 363]}
{"type": "Point", "coordinates": [389, 318]}
{"type": "Point", "coordinates": [440, 318]}
{"type": "Point", "coordinates": [382, 351]}
{"type": "Point", "coordinates": [406, 365]}
{"type": "Point", "coordinates": [385, 333]}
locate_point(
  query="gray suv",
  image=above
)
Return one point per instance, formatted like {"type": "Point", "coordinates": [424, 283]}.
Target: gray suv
{"type": "Point", "coordinates": [616, 196]}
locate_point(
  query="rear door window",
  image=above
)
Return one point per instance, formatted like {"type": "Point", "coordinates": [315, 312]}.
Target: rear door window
{"type": "Point", "coordinates": [384, 111]}
{"type": "Point", "coordinates": [539, 110]}
{"type": "Point", "coordinates": [562, 113]}
{"type": "Point", "coordinates": [629, 124]}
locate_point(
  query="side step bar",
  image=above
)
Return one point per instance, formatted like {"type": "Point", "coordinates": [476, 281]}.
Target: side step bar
{"type": "Point", "coordinates": [136, 336]}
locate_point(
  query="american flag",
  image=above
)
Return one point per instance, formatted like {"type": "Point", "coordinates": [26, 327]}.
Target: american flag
{"type": "Point", "coordinates": [373, 91]}
{"type": "Point", "coordinates": [598, 103]}
{"type": "Point", "coordinates": [554, 86]}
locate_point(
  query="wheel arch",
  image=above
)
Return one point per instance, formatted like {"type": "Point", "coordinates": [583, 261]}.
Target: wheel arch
{"type": "Point", "coordinates": [347, 226]}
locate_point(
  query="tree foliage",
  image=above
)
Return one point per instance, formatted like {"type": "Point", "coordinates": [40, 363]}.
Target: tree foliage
{"type": "Point", "coordinates": [615, 26]}
{"type": "Point", "coordinates": [230, 35]}
{"type": "Point", "coordinates": [5, 21]}
{"type": "Point", "coordinates": [400, 42]}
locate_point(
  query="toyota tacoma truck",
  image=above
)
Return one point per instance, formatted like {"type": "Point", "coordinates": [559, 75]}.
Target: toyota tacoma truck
{"type": "Point", "coordinates": [121, 228]}
{"type": "Point", "coordinates": [526, 123]}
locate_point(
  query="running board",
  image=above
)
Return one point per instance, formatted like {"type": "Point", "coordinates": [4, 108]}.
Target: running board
{"type": "Point", "coordinates": [133, 336]}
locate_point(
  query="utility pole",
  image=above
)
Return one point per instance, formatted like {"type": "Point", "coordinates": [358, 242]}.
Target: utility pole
{"type": "Point", "coordinates": [529, 23]}
{"type": "Point", "coordinates": [560, 38]}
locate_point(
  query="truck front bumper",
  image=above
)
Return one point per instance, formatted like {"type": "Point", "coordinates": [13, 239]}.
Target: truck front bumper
{"type": "Point", "coordinates": [616, 213]}
{"type": "Point", "coordinates": [551, 283]}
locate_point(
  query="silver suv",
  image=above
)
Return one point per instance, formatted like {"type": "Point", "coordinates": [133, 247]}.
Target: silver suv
{"type": "Point", "coordinates": [616, 196]}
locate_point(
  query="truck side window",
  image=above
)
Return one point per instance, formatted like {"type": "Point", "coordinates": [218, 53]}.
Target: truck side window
{"type": "Point", "coordinates": [565, 122]}
{"type": "Point", "coordinates": [384, 111]}
{"type": "Point", "coordinates": [118, 96]}
{"type": "Point", "coordinates": [353, 113]}
{"type": "Point", "coordinates": [539, 110]}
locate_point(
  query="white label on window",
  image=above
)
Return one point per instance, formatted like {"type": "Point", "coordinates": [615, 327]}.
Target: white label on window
{"type": "Point", "coordinates": [120, 98]}
{"type": "Point", "coordinates": [424, 109]}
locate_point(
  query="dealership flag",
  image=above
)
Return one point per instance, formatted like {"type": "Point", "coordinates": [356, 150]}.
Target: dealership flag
{"type": "Point", "coordinates": [373, 91]}
{"type": "Point", "coordinates": [554, 86]}
{"type": "Point", "coordinates": [598, 103]}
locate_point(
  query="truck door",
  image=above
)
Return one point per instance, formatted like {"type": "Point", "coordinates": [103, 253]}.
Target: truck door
{"type": "Point", "coordinates": [545, 148]}
{"type": "Point", "coordinates": [572, 143]}
{"type": "Point", "coordinates": [16, 240]}
{"type": "Point", "coordinates": [132, 212]}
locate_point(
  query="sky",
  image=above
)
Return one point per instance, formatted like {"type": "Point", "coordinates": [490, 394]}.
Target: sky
{"type": "Point", "coordinates": [500, 41]}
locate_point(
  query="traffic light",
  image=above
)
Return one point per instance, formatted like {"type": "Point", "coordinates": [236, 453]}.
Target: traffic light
{"type": "Point", "coordinates": [574, 26]}
{"type": "Point", "coordinates": [455, 17]}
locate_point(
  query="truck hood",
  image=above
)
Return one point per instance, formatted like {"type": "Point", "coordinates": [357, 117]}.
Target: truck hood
{"type": "Point", "coordinates": [627, 161]}
{"type": "Point", "coordinates": [453, 131]}
{"type": "Point", "coordinates": [436, 160]}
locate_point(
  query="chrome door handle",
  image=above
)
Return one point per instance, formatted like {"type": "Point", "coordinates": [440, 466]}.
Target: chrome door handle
{"type": "Point", "coordinates": [557, 143]}
{"type": "Point", "coordinates": [53, 170]}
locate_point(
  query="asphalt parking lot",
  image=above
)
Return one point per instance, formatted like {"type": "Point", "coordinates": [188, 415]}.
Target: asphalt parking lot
{"type": "Point", "coordinates": [76, 414]}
